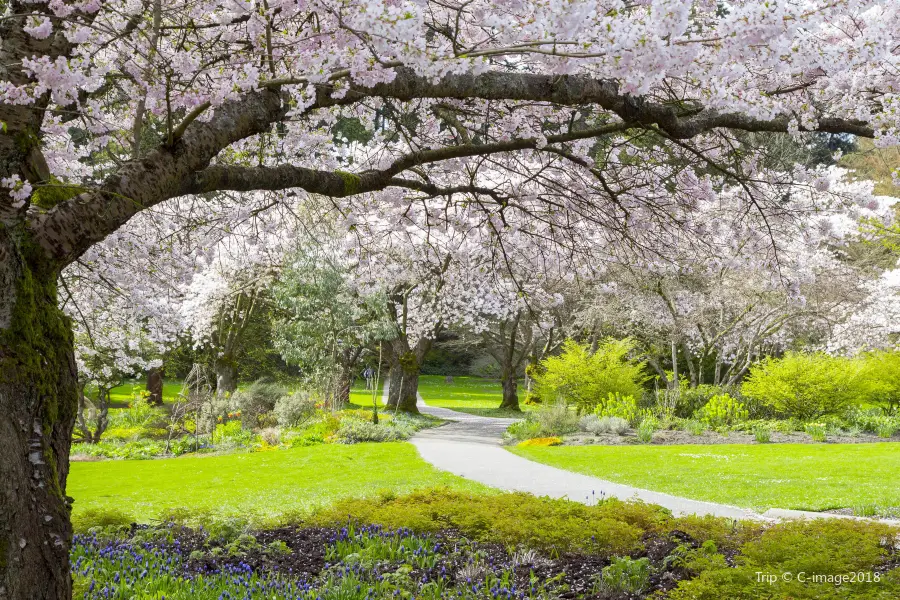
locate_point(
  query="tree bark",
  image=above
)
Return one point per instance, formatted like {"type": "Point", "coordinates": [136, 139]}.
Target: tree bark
{"type": "Point", "coordinates": [38, 402]}
{"type": "Point", "coordinates": [404, 374]}
{"type": "Point", "coordinates": [155, 386]}
{"type": "Point", "coordinates": [226, 376]}
{"type": "Point", "coordinates": [510, 391]}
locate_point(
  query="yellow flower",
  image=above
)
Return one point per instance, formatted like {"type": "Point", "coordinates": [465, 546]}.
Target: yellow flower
{"type": "Point", "coordinates": [546, 441]}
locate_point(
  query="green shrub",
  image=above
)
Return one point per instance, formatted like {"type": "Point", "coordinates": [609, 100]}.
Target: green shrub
{"type": "Point", "coordinates": [817, 431]}
{"type": "Point", "coordinates": [139, 414]}
{"type": "Point", "coordinates": [257, 402]}
{"type": "Point", "coordinates": [723, 410]}
{"type": "Point", "coordinates": [623, 407]}
{"type": "Point", "coordinates": [611, 528]}
{"type": "Point", "coordinates": [691, 399]}
{"type": "Point", "coordinates": [295, 409]}
{"type": "Point", "coordinates": [807, 386]}
{"type": "Point", "coordinates": [624, 576]}
{"type": "Point", "coordinates": [762, 433]}
{"type": "Point", "coordinates": [886, 429]}
{"type": "Point", "coordinates": [353, 431]}
{"type": "Point", "coordinates": [555, 419]}
{"type": "Point", "coordinates": [584, 379]}
{"type": "Point", "coordinates": [525, 429]}
{"type": "Point", "coordinates": [101, 517]}
{"type": "Point", "coordinates": [694, 426]}
{"type": "Point", "coordinates": [598, 426]}
{"type": "Point", "coordinates": [824, 546]}
{"type": "Point", "coordinates": [882, 372]}
{"type": "Point", "coordinates": [646, 429]}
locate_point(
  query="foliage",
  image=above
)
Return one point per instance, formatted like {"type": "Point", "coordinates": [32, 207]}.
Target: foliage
{"type": "Point", "coordinates": [694, 426]}
{"type": "Point", "coordinates": [819, 547]}
{"type": "Point", "coordinates": [817, 431]}
{"type": "Point", "coordinates": [611, 528]}
{"type": "Point", "coordinates": [555, 418]}
{"type": "Point", "coordinates": [762, 433]}
{"type": "Point", "coordinates": [295, 409]}
{"type": "Point", "coordinates": [598, 426]}
{"type": "Point", "coordinates": [585, 379]}
{"type": "Point", "coordinates": [256, 402]}
{"type": "Point", "coordinates": [646, 429]}
{"type": "Point", "coordinates": [723, 410]}
{"type": "Point", "coordinates": [807, 385]}
{"type": "Point", "coordinates": [545, 441]}
{"type": "Point", "coordinates": [624, 576]}
{"type": "Point", "coordinates": [882, 370]}
{"type": "Point", "coordinates": [622, 407]}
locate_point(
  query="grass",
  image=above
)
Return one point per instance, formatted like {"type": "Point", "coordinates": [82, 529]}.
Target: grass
{"type": "Point", "coordinates": [124, 393]}
{"type": "Point", "coordinates": [261, 486]}
{"type": "Point", "coordinates": [793, 476]}
{"type": "Point", "coordinates": [473, 395]}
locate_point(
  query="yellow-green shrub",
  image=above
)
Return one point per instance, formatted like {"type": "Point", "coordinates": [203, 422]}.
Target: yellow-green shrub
{"type": "Point", "coordinates": [722, 410]}
{"type": "Point", "coordinates": [807, 386]}
{"type": "Point", "coordinates": [585, 379]}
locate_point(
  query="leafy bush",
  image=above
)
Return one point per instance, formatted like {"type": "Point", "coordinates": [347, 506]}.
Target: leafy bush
{"type": "Point", "coordinates": [356, 430]}
{"type": "Point", "coordinates": [693, 426]}
{"type": "Point", "coordinates": [585, 379]}
{"type": "Point", "coordinates": [722, 410]}
{"type": "Point", "coordinates": [646, 429]}
{"type": "Point", "coordinates": [807, 386]}
{"type": "Point", "coordinates": [762, 433]}
{"type": "Point", "coordinates": [546, 441]}
{"type": "Point", "coordinates": [817, 431]}
{"type": "Point", "coordinates": [623, 407]}
{"type": "Point", "coordinates": [256, 402]}
{"type": "Point", "coordinates": [523, 430]}
{"type": "Point", "coordinates": [882, 371]}
{"type": "Point", "coordinates": [624, 576]}
{"type": "Point", "coordinates": [555, 419]}
{"type": "Point", "coordinates": [820, 546]}
{"type": "Point", "coordinates": [295, 409]}
{"type": "Point", "coordinates": [598, 426]}
{"type": "Point", "coordinates": [139, 414]}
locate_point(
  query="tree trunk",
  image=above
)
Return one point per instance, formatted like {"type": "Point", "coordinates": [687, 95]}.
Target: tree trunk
{"type": "Point", "coordinates": [404, 383]}
{"type": "Point", "coordinates": [342, 397]}
{"type": "Point", "coordinates": [226, 376]}
{"type": "Point", "coordinates": [510, 391]}
{"type": "Point", "coordinates": [155, 386]}
{"type": "Point", "coordinates": [38, 403]}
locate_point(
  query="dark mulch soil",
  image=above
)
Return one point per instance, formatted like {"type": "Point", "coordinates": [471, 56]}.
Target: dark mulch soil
{"type": "Point", "coordinates": [577, 572]}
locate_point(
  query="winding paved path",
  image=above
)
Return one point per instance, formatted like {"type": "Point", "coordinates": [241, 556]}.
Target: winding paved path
{"type": "Point", "coordinates": [469, 446]}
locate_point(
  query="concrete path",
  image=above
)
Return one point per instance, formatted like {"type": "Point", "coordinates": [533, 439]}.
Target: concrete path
{"type": "Point", "coordinates": [469, 446]}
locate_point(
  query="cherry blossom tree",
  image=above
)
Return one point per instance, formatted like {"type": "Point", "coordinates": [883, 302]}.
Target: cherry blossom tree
{"type": "Point", "coordinates": [530, 113]}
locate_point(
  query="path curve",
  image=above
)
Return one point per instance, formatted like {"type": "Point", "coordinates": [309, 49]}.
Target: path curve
{"type": "Point", "coordinates": [469, 446]}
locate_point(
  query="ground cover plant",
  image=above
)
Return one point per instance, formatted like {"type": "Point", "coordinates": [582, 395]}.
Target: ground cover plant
{"type": "Point", "coordinates": [258, 417]}
{"type": "Point", "coordinates": [862, 477]}
{"type": "Point", "coordinates": [444, 544]}
{"type": "Point", "coordinates": [259, 485]}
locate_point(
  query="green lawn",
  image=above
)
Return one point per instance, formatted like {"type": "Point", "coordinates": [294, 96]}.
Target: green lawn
{"type": "Point", "coordinates": [260, 486]}
{"type": "Point", "coordinates": [124, 393]}
{"type": "Point", "coordinates": [474, 395]}
{"type": "Point", "coordinates": [796, 476]}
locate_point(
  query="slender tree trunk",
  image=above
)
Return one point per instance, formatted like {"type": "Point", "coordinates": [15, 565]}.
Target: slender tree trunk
{"type": "Point", "coordinates": [38, 403]}
{"type": "Point", "coordinates": [155, 386]}
{"type": "Point", "coordinates": [347, 376]}
{"type": "Point", "coordinates": [510, 391]}
{"type": "Point", "coordinates": [226, 376]}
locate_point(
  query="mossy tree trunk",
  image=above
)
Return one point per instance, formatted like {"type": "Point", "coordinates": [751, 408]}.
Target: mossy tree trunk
{"type": "Point", "coordinates": [155, 386]}
{"type": "Point", "coordinates": [38, 402]}
{"type": "Point", "coordinates": [510, 391]}
{"type": "Point", "coordinates": [226, 375]}
{"type": "Point", "coordinates": [406, 365]}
